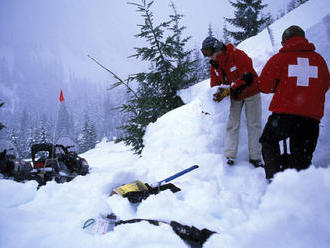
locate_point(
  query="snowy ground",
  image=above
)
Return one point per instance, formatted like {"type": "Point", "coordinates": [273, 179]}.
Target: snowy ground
{"type": "Point", "coordinates": [236, 202]}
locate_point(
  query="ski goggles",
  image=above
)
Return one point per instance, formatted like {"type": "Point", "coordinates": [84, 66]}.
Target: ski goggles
{"type": "Point", "coordinates": [207, 52]}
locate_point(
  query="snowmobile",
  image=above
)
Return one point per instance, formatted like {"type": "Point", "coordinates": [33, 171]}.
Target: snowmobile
{"type": "Point", "coordinates": [11, 166]}
{"type": "Point", "coordinates": [56, 162]}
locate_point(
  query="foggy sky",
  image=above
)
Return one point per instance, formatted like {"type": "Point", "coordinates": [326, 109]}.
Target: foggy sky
{"type": "Point", "coordinates": [45, 43]}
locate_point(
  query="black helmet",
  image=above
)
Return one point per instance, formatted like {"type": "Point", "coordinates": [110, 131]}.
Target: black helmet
{"type": "Point", "coordinates": [211, 45]}
{"type": "Point", "coordinates": [292, 31]}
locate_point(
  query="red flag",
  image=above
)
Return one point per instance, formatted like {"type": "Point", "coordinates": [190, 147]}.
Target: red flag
{"type": "Point", "coordinates": [61, 97]}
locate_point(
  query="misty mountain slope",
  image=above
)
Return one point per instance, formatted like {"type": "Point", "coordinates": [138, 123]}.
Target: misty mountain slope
{"type": "Point", "coordinates": [236, 202]}
{"type": "Point", "coordinates": [44, 47]}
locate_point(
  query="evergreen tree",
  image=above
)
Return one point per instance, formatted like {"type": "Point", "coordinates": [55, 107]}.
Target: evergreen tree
{"type": "Point", "coordinates": [300, 2]}
{"type": "Point", "coordinates": [248, 18]}
{"type": "Point", "coordinates": [33, 136]}
{"type": "Point", "coordinates": [22, 145]}
{"type": "Point", "coordinates": [292, 5]}
{"type": "Point", "coordinates": [88, 136]}
{"type": "Point", "coordinates": [210, 32]}
{"type": "Point", "coordinates": [83, 138]}
{"type": "Point", "coordinates": [64, 126]}
{"type": "Point", "coordinates": [225, 34]}
{"type": "Point", "coordinates": [280, 14]}
{"type": "Point", "coordinates": [202, 65]}
{"type": "Point", "coordinates": [13, 137]}
{"type": "Point", "coordinates": [1, 124]}
{"type": "Point", "coordinates": [202, 70]}
{"type": "Point", "coordinates": [44, 135]}
{"type": "Point", "coordinates": [92, 137]}
{"type": "Point", "coordinates": [171, 69]}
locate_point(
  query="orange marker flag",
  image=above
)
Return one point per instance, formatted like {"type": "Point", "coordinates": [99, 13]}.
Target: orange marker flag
{"type": "Point", "coordinates": [61, 96]}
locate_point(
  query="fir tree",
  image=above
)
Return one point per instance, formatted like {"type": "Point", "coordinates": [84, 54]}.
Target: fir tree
{"type": "Point", "coordinates": [300, 2]}
{"type": "Point", "coordinates": [33, 136]}
{"type": "Point", "coordinates": [44, 135]}
{"type": "Point", "coordinates": [22, 145]}
{"type": "Point", "coordinates": [292, 5]}
{"type": "Point", "coordinates": [280, 14]}
{"type": "Point", "coordinates": [225, 34]}
{"type": "Point", "coordinates": [13, 137]}
{"type": "Point", "coordinates": [202, 70]}
{"type": "Point", "coordinates": [210, 32]}
{"type": "Point", "coordinates": [64, 126]}
{"type": "Point", "coordinates": [83, 138]}
{"type": "Point", "coordinates": [88, 136]}
{"type": "Point", "coordinates": [171, 69]}
{"type": "Point", "coordinates": [248, 18]}
{"type": "Point", "coordinates": [92, 137]}
{"type": "Point", "coordinates": [1, 124]}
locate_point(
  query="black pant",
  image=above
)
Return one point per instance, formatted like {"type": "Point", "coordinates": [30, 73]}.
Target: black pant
{"type": "Point", "coordinates": [303, 133]}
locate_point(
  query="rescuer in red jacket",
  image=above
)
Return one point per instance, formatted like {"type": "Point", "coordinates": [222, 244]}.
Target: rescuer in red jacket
{"type": "Point", "coordinates": [232, 67]}
{"type": "Point", "coordinates": [299, 79]}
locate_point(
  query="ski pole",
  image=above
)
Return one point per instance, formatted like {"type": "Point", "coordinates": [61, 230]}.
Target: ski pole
{"type": "Point", "coordinates": [179, 174]}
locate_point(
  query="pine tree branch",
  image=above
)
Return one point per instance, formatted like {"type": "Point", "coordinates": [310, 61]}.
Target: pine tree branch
{"type": "Point", "coordinates": [155, 37]}
{"type": "Point", "coordinates": [116, 77]}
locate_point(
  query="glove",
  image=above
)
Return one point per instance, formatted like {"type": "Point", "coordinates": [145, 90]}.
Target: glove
{"type": "Point", "coordinates": [238, 86]}
{"type": "Point", "coordinates": [221, 94]}
{"type": "Point", "coordinates": [248, 78]}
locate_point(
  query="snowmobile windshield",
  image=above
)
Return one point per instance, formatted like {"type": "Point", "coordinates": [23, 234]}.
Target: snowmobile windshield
{"type": "Point", "coordinates": [59, 151]}
{"type": "Point", "coordinates": [68, 143]}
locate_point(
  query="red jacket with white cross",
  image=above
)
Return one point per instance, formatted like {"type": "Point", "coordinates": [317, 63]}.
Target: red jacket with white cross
{"type": "Point", "coordinates": [299, 77]}
{"type": "Point", "coordinates": [232, 65]}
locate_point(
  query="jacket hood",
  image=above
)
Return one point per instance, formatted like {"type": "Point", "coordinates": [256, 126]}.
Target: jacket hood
{"type": "Point", "coordinates": [297, 44]}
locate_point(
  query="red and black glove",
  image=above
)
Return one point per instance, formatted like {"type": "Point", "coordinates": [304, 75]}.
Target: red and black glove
{"type": "Point", "coordinates": [240, 84]}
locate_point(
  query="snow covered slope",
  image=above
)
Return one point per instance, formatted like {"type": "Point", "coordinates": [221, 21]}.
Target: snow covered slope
{"type": "Point", "coordinates": [313, 16]}
{"type": "Point", "coordinates": [236, 202]}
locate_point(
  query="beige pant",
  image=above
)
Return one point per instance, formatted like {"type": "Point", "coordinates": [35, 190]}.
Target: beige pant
{"type": "Point", "coordinates": [253, 119]}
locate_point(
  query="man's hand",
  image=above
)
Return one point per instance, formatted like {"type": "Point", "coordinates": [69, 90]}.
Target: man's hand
{"type": "Point", "coordinates": [221, 94]}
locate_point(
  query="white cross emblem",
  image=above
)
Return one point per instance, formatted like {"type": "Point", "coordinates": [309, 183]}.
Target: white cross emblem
{"type": "Point", "coordinates": [303, 71]}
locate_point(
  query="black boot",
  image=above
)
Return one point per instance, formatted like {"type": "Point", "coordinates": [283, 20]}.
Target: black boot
{"type": "Point", "coordinates": [256, 163]}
